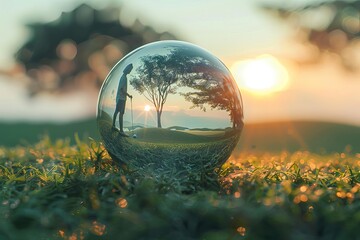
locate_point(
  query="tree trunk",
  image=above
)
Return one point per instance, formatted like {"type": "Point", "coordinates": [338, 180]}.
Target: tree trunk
{"type": "Point", "coordinates": [158, 113]}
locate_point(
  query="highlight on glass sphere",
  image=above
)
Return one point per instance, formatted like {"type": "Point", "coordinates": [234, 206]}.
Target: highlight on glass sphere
{"type": "Point", "coordinates": [170, 104]}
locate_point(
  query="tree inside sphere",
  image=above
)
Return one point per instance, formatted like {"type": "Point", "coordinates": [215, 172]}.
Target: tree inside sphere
{"type": "Point", "coordinates": [170, 105]}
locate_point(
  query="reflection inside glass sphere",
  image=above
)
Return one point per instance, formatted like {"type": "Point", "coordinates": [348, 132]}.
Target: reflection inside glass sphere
{"type": "Point", "coordinates": [170, 104]}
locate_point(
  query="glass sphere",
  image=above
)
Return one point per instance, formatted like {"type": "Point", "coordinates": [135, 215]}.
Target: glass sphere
{"type": "Point", "coordinates": [170, 104]}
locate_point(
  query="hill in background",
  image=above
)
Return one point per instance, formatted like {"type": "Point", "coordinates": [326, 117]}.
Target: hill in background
{"type": "Point", "coordinates": [317, 137]}
{"type": "Point", "coordinates": [12, 134]}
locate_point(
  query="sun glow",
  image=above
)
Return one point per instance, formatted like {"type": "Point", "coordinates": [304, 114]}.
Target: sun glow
{"type": "Point", "coordinates": [147, 108]}
{"type": "Point", "coordinates": [261, 75]}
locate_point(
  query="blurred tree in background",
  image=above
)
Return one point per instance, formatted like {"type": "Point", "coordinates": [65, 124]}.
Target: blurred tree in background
{"type": "Point", "coordinates": [330, 26]}
{"type": "Point", "coordinates": [79, 48]}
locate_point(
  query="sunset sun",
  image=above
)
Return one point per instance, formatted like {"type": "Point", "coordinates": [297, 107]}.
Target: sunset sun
{"type": "Point", "coordinates": [147, 108]}
{"type": "Point", "coordinates": [261, 75]}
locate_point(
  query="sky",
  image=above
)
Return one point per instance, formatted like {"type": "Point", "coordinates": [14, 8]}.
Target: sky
{"type": "Point", "coordinates": [237, 32]}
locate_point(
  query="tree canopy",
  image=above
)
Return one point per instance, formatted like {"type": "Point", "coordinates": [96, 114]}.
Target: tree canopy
{"type": "Point", "coordinates": [79, 48]}
{"type": "Point", "coordinates": [217, 94]}
{"type": "Point", "coordinates": [161, 74]}
{"type": "Point", "coordinates": [336, 30]}
{"type": "Point", "coordinates": [155, 80]}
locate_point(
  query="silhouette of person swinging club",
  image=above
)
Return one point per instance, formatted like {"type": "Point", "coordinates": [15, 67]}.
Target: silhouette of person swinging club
{"type": "Point", "coordinates": [121, 99]}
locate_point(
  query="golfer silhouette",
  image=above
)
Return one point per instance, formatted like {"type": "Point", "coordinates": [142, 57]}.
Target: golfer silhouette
{"type": "Point", "coordinates": [121, 99]}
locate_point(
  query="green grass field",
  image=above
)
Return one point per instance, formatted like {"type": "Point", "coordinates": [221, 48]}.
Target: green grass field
{"type": "Point", "coordinates": [316, 137]}
{"type": "Point", "coordinates": [162, 150]}
{"type": "Point", "coordinates": [58, 190]}
{"type": "Point", "coordinates": [284, 181]}
{"type": "Point", "coordinates": [177, 136]}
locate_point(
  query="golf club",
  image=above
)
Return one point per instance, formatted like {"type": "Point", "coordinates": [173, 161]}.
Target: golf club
{"type": "Point", "coordinates": [132, 119]}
